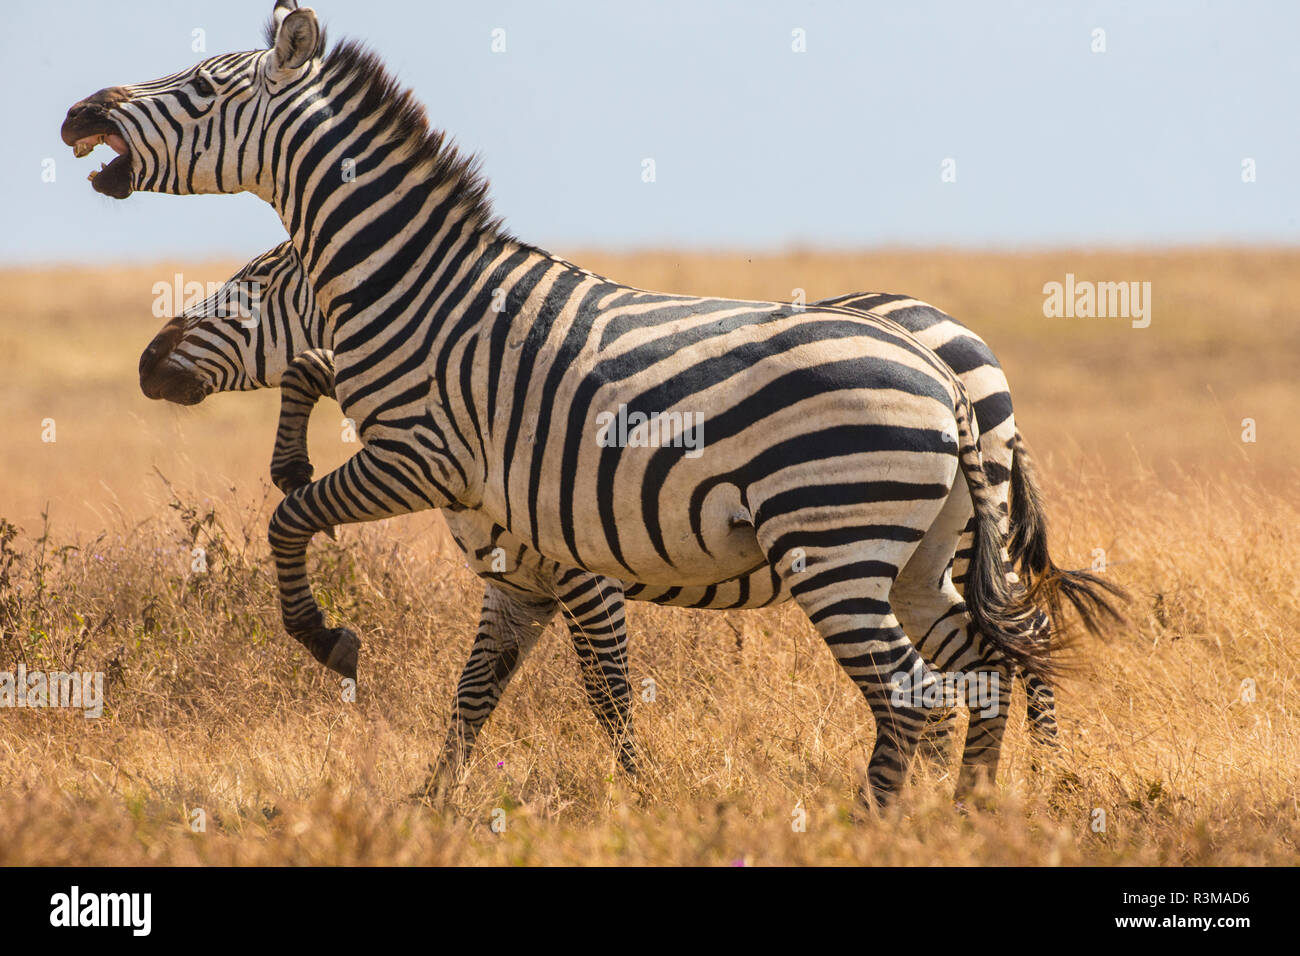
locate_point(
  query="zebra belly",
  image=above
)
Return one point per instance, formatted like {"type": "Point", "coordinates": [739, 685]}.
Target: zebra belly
{"type": "Point", "coordinates": [496, 555]}
{"type": "Point", "coordinates": [693, 546]}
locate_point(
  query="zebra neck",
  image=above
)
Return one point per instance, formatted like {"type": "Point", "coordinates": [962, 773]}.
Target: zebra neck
{"type": "Point", "coordinates": [368, 191]}
{"type": "Point", "coordinates": [475, 298]}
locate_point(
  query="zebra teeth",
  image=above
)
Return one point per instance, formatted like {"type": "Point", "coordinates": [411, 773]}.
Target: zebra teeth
{"type": "Point", "coordinates": [85, 145]}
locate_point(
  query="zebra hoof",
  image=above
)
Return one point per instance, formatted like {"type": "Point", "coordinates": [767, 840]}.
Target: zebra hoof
{"type": "Point", "coordinates": [1043, 751]}
{"type": "Point", "coordinates": [875, 800]}
{"type": "Point", "coordinates": [975, 796]}
{"type": "Point", "coordinates": [865, 809]}
{"type": "Point", "coordinates": [436, 788]}
{"type": "Point", "coordinates": [430, 794]}
{"type": "Point", "coordinates": [338, 649]}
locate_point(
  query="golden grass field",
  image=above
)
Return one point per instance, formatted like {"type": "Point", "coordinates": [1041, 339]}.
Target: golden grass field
{"type": "Point", "coordinates": [1138, 434]}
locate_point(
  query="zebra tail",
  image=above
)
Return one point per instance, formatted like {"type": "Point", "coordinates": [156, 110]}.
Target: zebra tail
{"type": "Point", "coordinates": [1092, 597]}
{"type": "Point", "coordinates": [998, 610]}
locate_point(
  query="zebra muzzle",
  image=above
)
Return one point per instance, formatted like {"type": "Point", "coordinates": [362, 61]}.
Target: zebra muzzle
{"type": "Point", "coordinates": [87, 126]}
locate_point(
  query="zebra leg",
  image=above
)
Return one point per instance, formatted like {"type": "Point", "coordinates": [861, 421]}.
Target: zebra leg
{"type": "Point", "coordinates": [593, 609]}
{"type": "Point", "coordinates": [989, 721]}
{"type": "Point", "coordinates": [1041, 707]}
{"type": "Point", "coordinates": [984, 736]}
{"type": "Point", "coordinates": [939, 738]}
{"type": "Point", "coordinates": [1040, 699]}
{"type": "Point", "coordinates": [845, 589]}
{"type": "Point", "coordinates": [307, 377]}
{"type": "Point", "coordinates": [972, 671]}
{"type": "Point", "coordinates": [508, 628]}
{"type": "Point", "coordinates": [368, 486]}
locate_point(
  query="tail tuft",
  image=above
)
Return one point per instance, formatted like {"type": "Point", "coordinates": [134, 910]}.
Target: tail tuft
{"type": "Point", "coordinates": [1093, 598]}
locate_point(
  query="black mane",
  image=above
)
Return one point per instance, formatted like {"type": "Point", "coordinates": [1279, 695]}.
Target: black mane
{"type": "Point", "coordinates": [400, 116]}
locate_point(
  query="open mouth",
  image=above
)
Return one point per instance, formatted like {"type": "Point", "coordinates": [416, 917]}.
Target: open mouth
{"type": "Point", "coordinates": [112, 178]}
{"type": "Point", "coordinates": [88, 129]}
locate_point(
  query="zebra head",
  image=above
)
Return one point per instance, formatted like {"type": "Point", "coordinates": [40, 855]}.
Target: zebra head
{"type": "Point", "coordinates": [239, 338]}
{"type": "Point", "coordinates": [201, 130]}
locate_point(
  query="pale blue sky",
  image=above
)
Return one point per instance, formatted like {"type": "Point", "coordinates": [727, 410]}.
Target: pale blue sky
{"type": "Point", "coordinates": [756, 146]}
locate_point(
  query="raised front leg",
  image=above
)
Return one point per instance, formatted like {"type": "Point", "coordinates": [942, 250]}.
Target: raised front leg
{"type": "Point", "coordinates": [374, 483]}
{"type": "Point", "coordinates": [593, 606]}
{"type": "Point", "coordinates": [308, 376]}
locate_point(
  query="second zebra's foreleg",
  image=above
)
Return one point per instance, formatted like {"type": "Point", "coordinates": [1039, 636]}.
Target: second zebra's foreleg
{"type": "Point", "coordinates": [308, 376]}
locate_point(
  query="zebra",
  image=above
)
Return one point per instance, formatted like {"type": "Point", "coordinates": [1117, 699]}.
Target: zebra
{"type": "Point", "coordinates": [204, 352]}
{"type": "Point", "coordinates": [477, 367]}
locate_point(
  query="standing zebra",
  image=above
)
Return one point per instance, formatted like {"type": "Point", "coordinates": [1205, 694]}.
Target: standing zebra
{"type": "Point", "coordinates": [479, 369]}
{"type": "Point", "coordinates": [204, 351]}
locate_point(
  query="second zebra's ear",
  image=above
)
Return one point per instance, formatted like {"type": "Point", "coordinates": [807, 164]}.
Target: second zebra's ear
{"type": "Point", "coordinates": [297, 37]}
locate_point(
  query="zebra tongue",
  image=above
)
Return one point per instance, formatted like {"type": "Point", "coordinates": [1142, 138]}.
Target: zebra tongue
{"type": "Point", "coordinates": [117, 142]}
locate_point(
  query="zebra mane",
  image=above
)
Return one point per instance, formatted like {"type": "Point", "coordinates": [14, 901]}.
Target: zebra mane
{"type": "Point", "coordinates": [398, 115]}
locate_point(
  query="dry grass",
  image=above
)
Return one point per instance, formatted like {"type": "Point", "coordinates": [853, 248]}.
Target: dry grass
{"type": "Point", "coordinates": [210, 706]}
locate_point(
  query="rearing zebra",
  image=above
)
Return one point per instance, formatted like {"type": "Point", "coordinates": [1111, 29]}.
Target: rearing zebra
{"type": "Point", "coordinates": [478, 367]}
{"type": "Point", "coordinates": [207, 350]}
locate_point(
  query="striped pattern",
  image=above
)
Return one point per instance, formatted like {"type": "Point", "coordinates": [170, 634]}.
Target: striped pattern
{"type": "Point", "coordinates": [478, 369]}
{"type": "Point", "coordinates": [596, 622]}
{"type": "Point", "coordinates": [975, 364]}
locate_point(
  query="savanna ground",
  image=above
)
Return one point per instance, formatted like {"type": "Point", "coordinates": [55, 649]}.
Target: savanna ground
{"type": "Point", "coordinates": [1139, 436]}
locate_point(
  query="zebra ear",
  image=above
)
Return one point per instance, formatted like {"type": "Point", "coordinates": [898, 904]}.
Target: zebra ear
{"type": "Point", "coordinates": [297, 37]}
{"type": "Point", "coordinates": [282, 9]}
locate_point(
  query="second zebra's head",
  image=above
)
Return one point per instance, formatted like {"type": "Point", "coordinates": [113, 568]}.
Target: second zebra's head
{"type": "Point", "coordinates": [203, 130]}
{"type": "Point", "coordinates": [241, 337]}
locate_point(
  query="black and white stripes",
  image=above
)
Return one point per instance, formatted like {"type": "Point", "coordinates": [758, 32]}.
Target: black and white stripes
{"type": "Point", "coordinates": [840, 452]}
{"type": "Point", "coordinates": [498, 557]}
